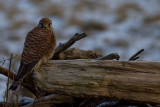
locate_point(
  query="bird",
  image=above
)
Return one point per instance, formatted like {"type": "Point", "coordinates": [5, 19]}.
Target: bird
{"type": "Point", "coordinates": [39, 47]}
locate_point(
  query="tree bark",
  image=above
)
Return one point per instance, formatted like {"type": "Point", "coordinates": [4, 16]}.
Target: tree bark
{"type": "Point", "coordinates": [136, 81]}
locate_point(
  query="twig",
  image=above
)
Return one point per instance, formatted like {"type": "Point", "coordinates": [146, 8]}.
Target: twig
{"type": "Point", "coordinates": [135, 56]}
{"type": "Point", "coordinates": [63, 46]}
{"type": "Point", "coordinates": [4, 60]}
{"type": "Point", "coordinates": [10, 63]}
{"type": "Point", "coordinates": [110, 57]}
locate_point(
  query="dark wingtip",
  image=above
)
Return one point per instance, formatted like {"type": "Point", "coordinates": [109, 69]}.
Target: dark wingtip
{"type": "Point", "coordinates": [13, 87]}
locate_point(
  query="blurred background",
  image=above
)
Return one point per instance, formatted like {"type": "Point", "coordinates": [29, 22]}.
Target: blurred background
{"type": "Point", "coordinates": [113, 26]}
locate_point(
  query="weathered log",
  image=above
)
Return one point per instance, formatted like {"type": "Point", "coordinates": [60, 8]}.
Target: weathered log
{"type": "Point", "coordinates": [72, 53]}
{"type": "Point", "coordinates": [120, 80]}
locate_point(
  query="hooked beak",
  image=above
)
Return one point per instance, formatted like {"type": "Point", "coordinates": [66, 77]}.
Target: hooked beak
{"type": "Point", "coordinates": [45, 25]}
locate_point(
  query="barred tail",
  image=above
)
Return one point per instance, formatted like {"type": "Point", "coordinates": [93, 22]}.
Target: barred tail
{"type": "Point", "coordinates": [24, 69]}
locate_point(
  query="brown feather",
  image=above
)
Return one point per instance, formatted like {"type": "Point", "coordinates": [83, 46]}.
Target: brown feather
{"type": "Point", "coordinates": [38, 48]}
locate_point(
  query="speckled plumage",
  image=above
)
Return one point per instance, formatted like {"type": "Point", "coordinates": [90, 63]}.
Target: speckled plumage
{"type": "Point", "coordinates": [38, 48]}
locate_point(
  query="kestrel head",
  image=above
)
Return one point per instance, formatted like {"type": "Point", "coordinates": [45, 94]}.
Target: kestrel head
{"type": "Point", "coordinates": [45, 23]}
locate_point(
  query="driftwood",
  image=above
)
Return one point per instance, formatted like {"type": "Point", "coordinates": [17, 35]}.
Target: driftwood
{"type": "Point", "coordinates": [119, 80]}
{"type": "Point", "coordinates": [135, 56]}
{"type": "Point", "coordinates": [63, 46]}
{"type": "Point", "coordinates": [70, 79]}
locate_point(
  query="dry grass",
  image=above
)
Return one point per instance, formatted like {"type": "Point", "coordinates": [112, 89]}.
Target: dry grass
{"type": "Point", "coordinates": [9, 97]}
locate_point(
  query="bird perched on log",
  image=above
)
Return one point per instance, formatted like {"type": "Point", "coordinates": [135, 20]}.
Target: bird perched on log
{"type": "Point", "coordinates": [38, 48]}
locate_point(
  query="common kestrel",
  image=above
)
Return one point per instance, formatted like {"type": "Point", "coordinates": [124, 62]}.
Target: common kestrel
{"type": "Point", "coordinates": [38, 48]}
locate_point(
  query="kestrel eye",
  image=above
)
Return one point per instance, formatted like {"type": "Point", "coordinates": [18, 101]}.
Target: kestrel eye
{"type": "Point", "coordinates": [50, 25]}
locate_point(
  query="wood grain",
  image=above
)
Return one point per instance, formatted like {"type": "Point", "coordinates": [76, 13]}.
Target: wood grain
{"type": "Point", "coordinates": [136, 81]}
